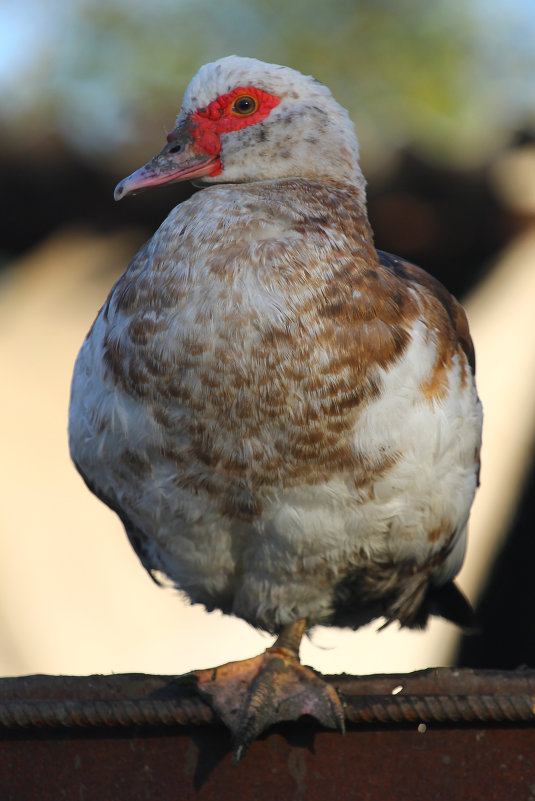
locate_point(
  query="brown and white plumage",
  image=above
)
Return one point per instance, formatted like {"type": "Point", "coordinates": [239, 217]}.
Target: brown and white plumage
{"type": "Point", "coordinates": [284, 418]}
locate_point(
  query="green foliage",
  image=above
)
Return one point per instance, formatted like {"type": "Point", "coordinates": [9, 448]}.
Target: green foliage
{"type": "Point", "coordinates": [408, 70]}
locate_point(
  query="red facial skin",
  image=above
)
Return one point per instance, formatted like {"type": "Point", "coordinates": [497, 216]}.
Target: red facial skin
{"type": "Point", "coordinates": [193, 148]}
{"type": "Point", "coordinates": [207, 124]}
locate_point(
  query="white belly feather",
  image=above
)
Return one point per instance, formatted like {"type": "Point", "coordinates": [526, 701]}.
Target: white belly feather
{"type": "Point", "coordinates": [282, 564]}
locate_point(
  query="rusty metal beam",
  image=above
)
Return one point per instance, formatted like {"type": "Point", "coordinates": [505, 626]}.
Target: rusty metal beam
{"type": "Point", "coordinates": [435, 734]}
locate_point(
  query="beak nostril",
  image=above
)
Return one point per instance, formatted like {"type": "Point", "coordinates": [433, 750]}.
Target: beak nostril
{"type": "Point", "coordinates": [175, 149]}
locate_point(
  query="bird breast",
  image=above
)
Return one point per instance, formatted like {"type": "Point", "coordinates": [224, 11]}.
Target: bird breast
{"type": "Point", "coordinates": [257, 363]}
{"type": "Point", "coordinates": [250, 328]}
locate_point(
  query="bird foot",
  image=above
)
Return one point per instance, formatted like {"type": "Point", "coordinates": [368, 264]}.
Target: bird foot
{"type": "Point", "coordinates": [251, 695]}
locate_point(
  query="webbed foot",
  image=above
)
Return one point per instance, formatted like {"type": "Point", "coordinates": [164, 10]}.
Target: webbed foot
{"type": "Point", "coordinates": [251, 695]}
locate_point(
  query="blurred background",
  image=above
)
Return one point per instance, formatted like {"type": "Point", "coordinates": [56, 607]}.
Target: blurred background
{"type": "Point", "coordinates": [443, 98]}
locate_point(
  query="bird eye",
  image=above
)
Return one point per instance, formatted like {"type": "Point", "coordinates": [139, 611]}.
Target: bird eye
{"type": "Point", "coordinates": [244, 105]}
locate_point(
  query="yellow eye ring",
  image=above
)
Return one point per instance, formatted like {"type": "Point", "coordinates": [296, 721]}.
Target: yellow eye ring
{"type": "Point", "coordinates": [244, 106]}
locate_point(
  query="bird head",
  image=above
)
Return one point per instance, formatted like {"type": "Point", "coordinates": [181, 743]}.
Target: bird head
{"type": "Point", "coordinates": [243, 120]}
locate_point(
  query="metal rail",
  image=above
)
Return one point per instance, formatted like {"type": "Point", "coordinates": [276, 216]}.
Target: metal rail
{"type": "Point", "coordinates": [437, 695]}
{"type": "Point", "coordinates": [438, 734]}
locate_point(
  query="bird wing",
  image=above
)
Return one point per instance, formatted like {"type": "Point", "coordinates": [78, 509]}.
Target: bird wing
{"type": "Point", "coordinates": [412, 274]}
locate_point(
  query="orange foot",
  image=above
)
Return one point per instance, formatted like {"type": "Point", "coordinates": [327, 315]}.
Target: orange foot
{"type": "Point", "coordinates": [253, 694]}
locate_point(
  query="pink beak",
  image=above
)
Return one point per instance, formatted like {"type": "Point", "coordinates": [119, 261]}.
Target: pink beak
{"type": "Point", "coordinates": [179, 160]}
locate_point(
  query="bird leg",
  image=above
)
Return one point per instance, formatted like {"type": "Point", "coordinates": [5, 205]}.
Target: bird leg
{"type": "Point", "coordinates": [253, 694]}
